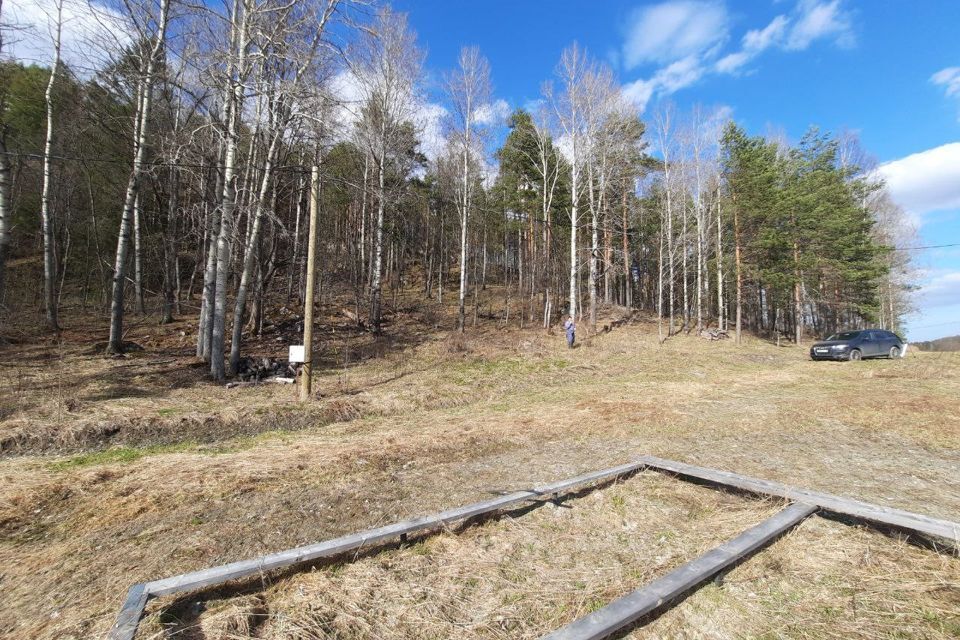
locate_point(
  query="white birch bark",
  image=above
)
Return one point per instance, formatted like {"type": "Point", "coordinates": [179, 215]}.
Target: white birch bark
{"type": "Point", "coordinates": [281, 114]}
{"type": "Point", "coordinates": [388, 66]}
{"type": "Point", "coordinates": [237, 75]}
{"type": "Point", "coordinates": [141, 127]}
{"type": "Point", "coordinates": [468, 89]}
{"type": "Point", "coordinates": [46, 215]}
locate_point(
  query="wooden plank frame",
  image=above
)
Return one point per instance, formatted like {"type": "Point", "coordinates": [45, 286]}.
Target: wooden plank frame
{"type": "Point", "coordinates": [625, 611]}
{"type": "Point", "coordinates": [941, 532]}
{"type": "Point", "coordinates": [128, 620]}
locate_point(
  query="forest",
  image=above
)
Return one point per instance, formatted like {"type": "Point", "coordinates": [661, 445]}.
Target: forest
{"type": "Point", "coordinates": [175, 173]}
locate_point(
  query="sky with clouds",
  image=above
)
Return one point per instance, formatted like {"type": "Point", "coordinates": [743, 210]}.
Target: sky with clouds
{"type": "Point", "coordinates": [885, 69]}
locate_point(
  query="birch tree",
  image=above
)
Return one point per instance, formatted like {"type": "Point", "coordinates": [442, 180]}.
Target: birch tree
{"type": "Point", "coordinates": [387, 65]}
{"type": "Point", "coordinates": [601, 101]}
{"type": "Point", "coordinates": [46, 214]}
{"type": "Point", "coordinates": [6, 180]}
{"type": "Point", "coordinates": [152, 31]}
{"type": "Point", "coordinates": [664, 121]}
{"type": "Point", "coordinates": [242, 14]}
{"type": "Point", "coordinates": [291, 65]}
{"type": "Point", "coordinates": [569, 107]}
{"type": "Point", "coordinates": [468, 89]}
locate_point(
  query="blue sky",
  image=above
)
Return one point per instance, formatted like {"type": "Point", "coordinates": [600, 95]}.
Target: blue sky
{"type": "Point", "coordinates": [886, 69]}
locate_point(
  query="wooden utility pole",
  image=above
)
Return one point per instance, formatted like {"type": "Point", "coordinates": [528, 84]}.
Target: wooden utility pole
{"type": "Point", "coordinates": [306, 375]}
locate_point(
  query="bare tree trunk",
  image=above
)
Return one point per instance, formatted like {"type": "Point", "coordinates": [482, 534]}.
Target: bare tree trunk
{"type": "Point", "coordinates": [797, 298]}
{"type": "Point", "coordinates": [295, 260]}
{"type": "Point", "coordinates": [721, 311]}
{"type": "Point", "coordinates": [205, 323]}
{"type": "Point", "coordinates": [699, 222]}
{"type": "Point", "coordinates": [375, 276]}
{"type": "Point", "coordinates": [6, 221]}
{"type": "Point", "coordinates": [170, 267]}
{"type": "Point", "coordinates": [594, 249]}
{"type": "Point", "coordinates": [574, 220]}
{"type": "Point", "coordinates": [141, 123]}
{"type": "Point", "coordinates": [463, 253]}
{"type": "Point", "coordinates": [363, 216]}
{"type": "Point", "coordinates": [660, 285]}
{"type": "Point", "coordinates": [137, 257]}
{"type": "Point", "coordinates": [467, 87]}
{"type": "Point", "coordinates": [627, 275]}
{"type": "Point", "coordinates": [684, 247]}
{"type": "Point", "coordinates": [5, 215]}
{"type": "Point", "coordinates": [251, 251]}
{"type": "Point", "coordinates": [670, 257]}
{"type": "Point", "coordinates": [737, 261]}
{"type": "Point", "coordinates": [239, 41]}
{"type": "Point", "coordinates": [49, 242]}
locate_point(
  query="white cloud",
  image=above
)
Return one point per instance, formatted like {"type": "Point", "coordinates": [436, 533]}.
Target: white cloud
{"type": "Point", "coordinates": [346, 90]}
{"type": "Point", "coordinates": [686, 37]}
{"type": "Point", "coordinates": [90, 32]}
{"type": "Point", "coordinates": [755, 42]}
{"type": "Point", "coordinates": [673, 30]}
{"type": "Point", "coordinates": [949, 79]}
{"type": "Point", "coordinates": [680, 74]}
{"type": "Point", "coordinates": [810, 21]}
{"type": "Point", "coordinates": [565, 145]}
{"type": "Point", "coordinates": [430, 119]}
{"type": "Point", "coordinates": [816, 20]}
{"type": "Point", "coordinates": [639, 93]}
{"type": "Point", "coordinates": [492, 113]}
{"type": "Point", "coordinates": [732, 62]}
{"type": "Point", "coordinates": [760, 39]}
{"type": "Point", "coordinates": [925, 182]}
{"type": "Point", "coordinates": [669, 79]}
{"type": "Point", "coordinates": [941, 290]}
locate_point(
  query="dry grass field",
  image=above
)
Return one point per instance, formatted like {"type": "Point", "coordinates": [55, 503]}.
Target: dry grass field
{"type": "Point", "coordinates": [116, 471]}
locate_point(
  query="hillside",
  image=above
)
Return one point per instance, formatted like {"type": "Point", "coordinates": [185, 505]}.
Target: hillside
{"type": "Point", "coordinates": [950, 343]}
{"type": "Point", "coordinates": [127, 469]}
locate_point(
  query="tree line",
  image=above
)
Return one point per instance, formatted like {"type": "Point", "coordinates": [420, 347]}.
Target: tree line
{"type": "Point", "coordinates": [174, 177]}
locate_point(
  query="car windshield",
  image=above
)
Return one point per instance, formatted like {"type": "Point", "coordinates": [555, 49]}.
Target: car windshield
{"type": "Point", "coordinates": [846, 335]}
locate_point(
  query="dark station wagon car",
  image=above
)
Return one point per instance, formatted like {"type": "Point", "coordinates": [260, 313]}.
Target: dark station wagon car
{"type": "Point", "coordinates": [857, 345]}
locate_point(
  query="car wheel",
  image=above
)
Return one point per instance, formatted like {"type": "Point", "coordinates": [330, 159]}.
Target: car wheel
{"type": "Point", "coordinates": [855, 355]}
{"type": "Point", "coordinates": [894, 352]}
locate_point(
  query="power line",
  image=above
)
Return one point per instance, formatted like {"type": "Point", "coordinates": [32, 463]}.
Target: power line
{"type": "Point", "coordinates": [939, 324]}
{"type": "Point", "coordinates": [151, 163]}
{"type": "Point", "coordinates": [931, 246]}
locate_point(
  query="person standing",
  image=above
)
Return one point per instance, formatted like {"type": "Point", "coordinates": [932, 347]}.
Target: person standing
{"type": "Point", "coordinates": [571, 330]}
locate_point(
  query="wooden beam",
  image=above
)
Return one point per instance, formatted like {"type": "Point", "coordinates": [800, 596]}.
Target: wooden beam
{"type": "Point", "coordinates": [126, 625]}
{"type": "Point", "coordinates": [926, 526]}
{"type": "Point", "coordinates": [132, 610]}
{"type": "Point", "coordinates": [630, 608]}
{"type": "Point", "coordinates": [130, 613]}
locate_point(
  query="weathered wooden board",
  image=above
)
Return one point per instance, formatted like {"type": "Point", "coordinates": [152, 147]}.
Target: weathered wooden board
{"type": "Point", "coordinates": [623, 612]}
{"type": "Point", "coordinates": [948, 532]}
{"type": "Point", "coordinates": [126, 625]}
{"type": "Point", "coordinates": [129, 617]}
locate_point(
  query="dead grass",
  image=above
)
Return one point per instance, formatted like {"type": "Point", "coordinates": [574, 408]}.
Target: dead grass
{"type": "Point", "coordinates": [513, 578]}
{"type": "Point", "coordinates": [199, 475]}
{"type": "Point", "coordinates": [826, 580]}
